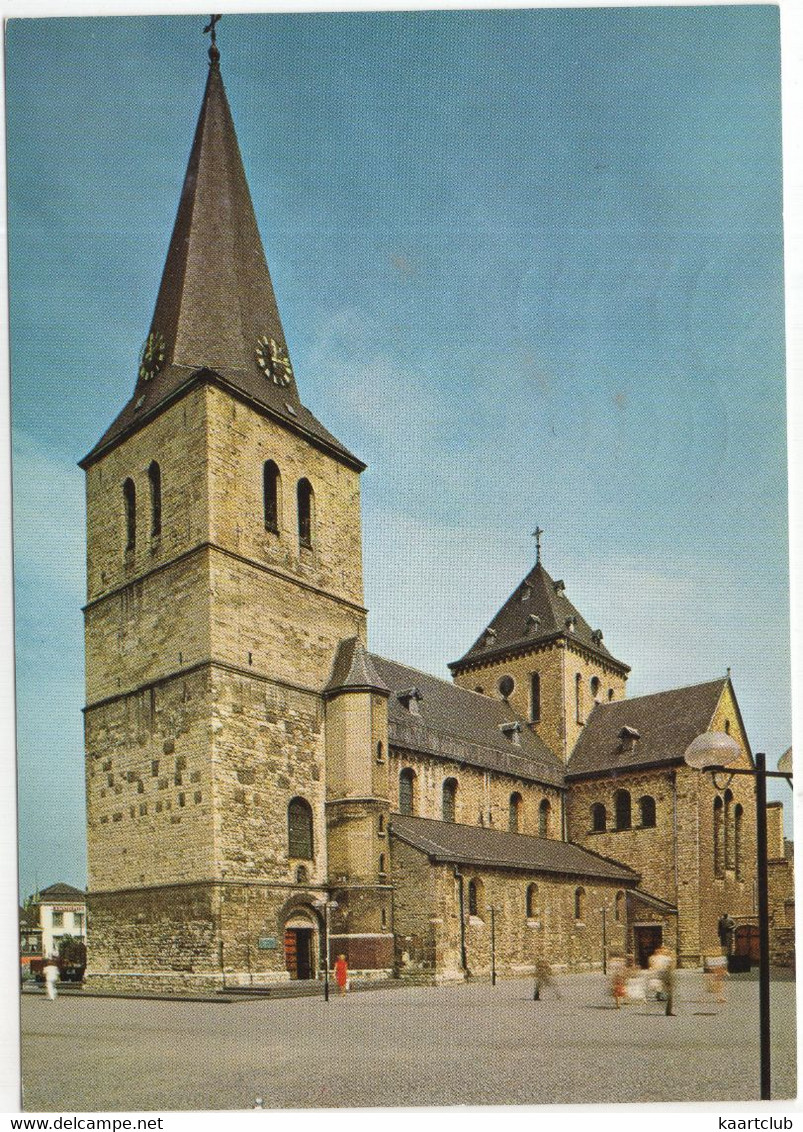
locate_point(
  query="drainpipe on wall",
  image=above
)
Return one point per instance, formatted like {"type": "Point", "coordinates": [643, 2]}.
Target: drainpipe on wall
{"type": "Point", "coordinates": [458, 876]}
{"type": "Point", "coordinates": [675, 829]}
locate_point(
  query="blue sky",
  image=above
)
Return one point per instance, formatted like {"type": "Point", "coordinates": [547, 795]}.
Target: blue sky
{"type": "Point", "coordinates": [530, 268]}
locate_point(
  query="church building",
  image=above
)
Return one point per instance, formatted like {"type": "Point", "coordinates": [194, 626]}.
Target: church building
{"type": "Point", "coordinates": [257, 779]}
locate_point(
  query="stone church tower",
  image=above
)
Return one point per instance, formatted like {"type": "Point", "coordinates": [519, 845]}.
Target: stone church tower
{"type": "Point", "coordinates": [224, 568]}
{"type": "Point", "coordinates": [544, 659]}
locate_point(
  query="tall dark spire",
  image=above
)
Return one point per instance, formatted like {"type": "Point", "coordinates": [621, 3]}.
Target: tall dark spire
{"type": "Point", "coordinates": [216, 307]}
{"type": "Point", "coordinates": [216, 316]}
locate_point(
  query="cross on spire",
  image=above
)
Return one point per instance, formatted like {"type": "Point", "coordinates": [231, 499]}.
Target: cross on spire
{"type": "Point", "coordinates": [537, 536]}
{"type": "Point", "coordinates": [214, 54]}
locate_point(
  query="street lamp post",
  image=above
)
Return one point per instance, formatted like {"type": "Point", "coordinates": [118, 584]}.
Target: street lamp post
{"type": "Point", "coordinates": [327, 907]}
{"type": "Point", "coordinates": [493, 944]}
{"type": "Point", "coordinates": [604, 939]}
{"type": "Point", "coordinates": [713, 752]}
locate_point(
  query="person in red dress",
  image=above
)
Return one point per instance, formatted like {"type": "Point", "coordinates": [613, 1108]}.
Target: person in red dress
{"type": "Point", "coordinates": [342, 974]}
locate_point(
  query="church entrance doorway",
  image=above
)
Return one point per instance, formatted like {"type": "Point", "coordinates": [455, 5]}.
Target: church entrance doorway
{"type": "Point", "coordinates": [646, 938]}
{"type": "Point", "coordinates": [299, 951]}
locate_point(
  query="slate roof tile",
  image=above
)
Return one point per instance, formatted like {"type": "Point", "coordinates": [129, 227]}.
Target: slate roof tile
{"type": "Point", "coordinates": [451, 843]}
{"type": "Point", "coordinates": [458, 724]}
{"type": "Point", "coordinates": [666, 722]}
{"type": "Point", "coordinates": [216, 298]}
{"type": "Point", "coordinates": [537, 611]}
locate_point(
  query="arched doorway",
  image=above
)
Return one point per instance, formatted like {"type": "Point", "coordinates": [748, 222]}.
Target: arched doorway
{"type": "Point", "coordinates": [301, 944]}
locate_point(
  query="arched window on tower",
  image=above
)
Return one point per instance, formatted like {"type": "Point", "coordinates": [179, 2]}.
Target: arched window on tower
{"type": "Point", "coordinates": [532, 902]}
{"type": "Point", "coordinates": [155, 482]}
{"type": "Point", "coordinates": [729, 830]}
{"type": "Point", "coordinates": [271, 495]}
{"type": "Point", "coordinates": [738, 814]}
{"type": "Point", "coordinates": [599, 818]}
{"type": "Point", "coordinates": [448, 797]}
{"type": "Point", "coordinates": [130, 507]}
{"type": "Point", "coordinates": [475, 897]}
{"type": "Point", "coordinates": [299, 829]}
{"type": "Point", "coordinates": [647, 811]}
{"type": "Point", "coordinates": [406, 791]}
{"type": "Point", "coordinates": [719, 838]}
{"type": "Point", "coordinates": [306, 513]}
{"type": "Point", "coordinates": [514, 812]}
{"type": "Point", "coordinates": [622, 803]}
{"type": "Point", "coordinates": [578, 697]}
{"type": "Point", "coordinates": [535, 697]}
{"type": "Point", "coordinates": [544, 815]}
{"type": "Point", "coordinates": [579, 903]}
{"type": "Point", "coordinates": [619, 907]}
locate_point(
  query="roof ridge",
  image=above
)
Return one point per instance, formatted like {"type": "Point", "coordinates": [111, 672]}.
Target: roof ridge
{"type": "Point", "coordinates": [549, 615]}
{"type": "Point", "coordinates": [663, 692]}
{"type": "Point", "coordinates": [432, 676]}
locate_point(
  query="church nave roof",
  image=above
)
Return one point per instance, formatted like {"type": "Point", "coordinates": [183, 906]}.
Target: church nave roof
{"type": "Point", "coordinates": [455, 723]}
{"type": "Point", "coordinates": [658, 729]}
{"type": "Point", "coordinates": [451, 843]}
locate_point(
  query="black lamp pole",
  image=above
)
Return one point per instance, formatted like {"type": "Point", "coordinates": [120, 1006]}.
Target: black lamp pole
{"type": "Point", "coordinates": [493, 946]}
{"type": "Point", "coordinates": [763, 926]}
{"type": "Point", "coordinates": [761, 774]}
{"type": "Point", "coordinates": [326, 952]}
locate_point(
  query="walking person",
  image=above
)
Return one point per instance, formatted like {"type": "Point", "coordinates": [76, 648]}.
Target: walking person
{"type": "Point", "coordinates": [51, 973]}
{"type": "Point", "coordinates": [342, 974]}
{"type": "Point", "coordinates": [716, 973]}
{"type": "Point", "coordinates": [662, 964]}
{"type": "Point", "coordinates": [617, 973]}
{"type": "Point", "coordinates": [544, 978]}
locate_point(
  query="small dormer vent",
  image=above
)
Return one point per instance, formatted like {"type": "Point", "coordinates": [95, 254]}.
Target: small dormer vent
{"type": "Point", "coordinates": [571, 624]}
{"type": "Point", "coordinates": [628, 737]}
{"type": "Point", "coordinates": [525, 591]}
{"type": "Point", "coordinates": [596, 636]}
{"type": "Point", "coordinates": [411, 699]}
{"type": "Point", "coordinates": [560, 587]}
{"type": "Point", "coordinates": [512, 731]}
{"type": "Point", "coordinates": [488, 637]}
{"type": "Point", "coordinates": [533, 624]}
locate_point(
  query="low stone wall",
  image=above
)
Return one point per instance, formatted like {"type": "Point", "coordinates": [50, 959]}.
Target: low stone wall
{"type": "Point", "coordinates": [782, 947]}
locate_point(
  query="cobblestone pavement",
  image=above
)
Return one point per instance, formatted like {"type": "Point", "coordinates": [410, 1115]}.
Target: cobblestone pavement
{"type": "Point", "coordinates": [472, 1045]}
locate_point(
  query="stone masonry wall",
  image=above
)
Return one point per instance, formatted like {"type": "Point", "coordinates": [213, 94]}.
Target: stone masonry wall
{"type": "Point", "coordinates": [556, 663]}
{"type": "Point", "coordinates": [650, 851]}
{"type": "Point", "coordinates": [270, 623]}
{"type": "Point", "coordinates": [268, 749]}
{"type": "Point", "coordinates": [149, 785]}
{"type": "Point", "coordinates": [427, 919]}
{"type": "Point", "coordinates": [150, 629]}
{"type": "Point", "coordinates": [176, 439]}
{"type": "Point", "coordinates": [483, 798]}
{"type": "Point", "coordinates": [240, 441]}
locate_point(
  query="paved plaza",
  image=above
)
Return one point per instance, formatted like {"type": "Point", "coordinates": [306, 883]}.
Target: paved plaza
{"type": "Point", "coordinates": [473, 1044]}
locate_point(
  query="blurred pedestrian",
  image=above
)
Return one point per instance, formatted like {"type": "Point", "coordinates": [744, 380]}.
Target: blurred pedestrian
{"type": "Point", "coordinates": [617, 976]}
{"type": "Point", "coordinates": [716, 973]}
{"type": "Point", "coordinates": [51, 973]}
{"type": "Point", "coordinates": [662, 968]}
{"type": "Point", "coordinates": [342, 974]}
{"type": "Point", "coordinates": [544, 979]}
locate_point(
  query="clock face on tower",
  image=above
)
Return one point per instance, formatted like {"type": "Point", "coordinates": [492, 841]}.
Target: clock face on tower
{"type": "Point", "coordinates": [153, 356]}
{"type": "Point", "coordinates": [274, 361]}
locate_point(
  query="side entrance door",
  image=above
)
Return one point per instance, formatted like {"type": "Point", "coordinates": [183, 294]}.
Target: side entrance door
{"type": "Point", "coordinates": [646, 938]}
{"type": "Point", "coordinates": [298, 953]}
